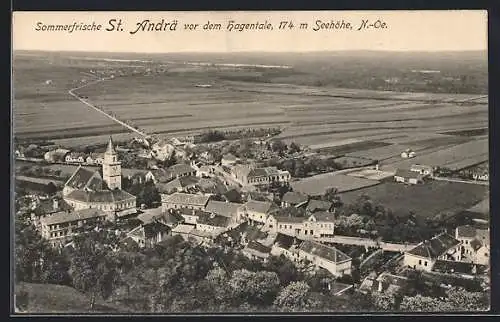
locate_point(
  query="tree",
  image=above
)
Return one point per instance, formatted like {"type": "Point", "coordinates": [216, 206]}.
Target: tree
{"type": "Point", "coordinates": [51, 188]}
{"type": "Point", "coordinates": [419, 303]}
{"type": "Point", "coordinates": [35, 260]}
{"type": "Point", "coordinates": [285, 268]}
{"type": "Point", "coordinates": [384, 301]}
{"type": "Point", "coordinates": [295, 297]}
{"type": "Point", "coordinates": [332, 195]}
{"type": "Point", "coordinates": [254, 287]}
{"type": "Point", "coordinates": [149, 195]}
{"type": "Point", "coordinates": [218, 280]}
{"type": "Point", "coordinates": [278, 146]}
{"type": "Point", "coordinates": [93, 268]}
{"type": "Point", "coordinates": [294, 147]}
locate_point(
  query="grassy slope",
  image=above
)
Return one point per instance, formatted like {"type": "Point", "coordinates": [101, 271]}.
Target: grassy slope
{"type": "Point", "coordinates": [49, 298]}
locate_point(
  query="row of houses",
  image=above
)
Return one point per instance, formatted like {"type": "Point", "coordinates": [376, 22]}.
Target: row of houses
{"type": "Point", "coordinates": [301, 252]}
{"type": "Point", "coordinates": [319, 223]}
{"type": "Point", "coordinates": [65, 155]}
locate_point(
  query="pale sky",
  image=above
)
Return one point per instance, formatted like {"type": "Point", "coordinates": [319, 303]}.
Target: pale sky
{"type": "Point", "coordinates": [406, 31]}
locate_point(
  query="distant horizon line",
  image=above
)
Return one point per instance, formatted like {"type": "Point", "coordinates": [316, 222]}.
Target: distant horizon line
{"type": "Point", "coordinates": [257, 52]}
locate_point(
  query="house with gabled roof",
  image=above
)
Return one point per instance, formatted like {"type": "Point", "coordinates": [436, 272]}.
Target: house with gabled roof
{"type": "Point", "coordinates": [149, 234]}
{"type": "Point", "coordinates": [474, 244]}
{"type": "Point", "coordinates": [317, 225]}
{"type": "Point", "coordinates": [60, 227]}
{"type": "Point", "coordinates": [286, 245]}
{"type": "Point", "coordinates": [181, 200]}
{"type": "Point", "coordinates": [326, 257]}
{"type": "Point", "coordinates": [227, 209]}
{"type": "Point", "coordinates": [181, 184]}
{"type": "Point", "coordinates": [424, 255]}
{"type": "Point", "coordinates": [256, 212]}
{"type": "Point", "coordinates": [210, 222]}
{"type": "Point", "coordinates": [321, 224]}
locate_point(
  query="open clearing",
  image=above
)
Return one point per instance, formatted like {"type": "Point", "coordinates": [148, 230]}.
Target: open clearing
{"type": "Point", "coordinates": [51, 298]}
{"type": "Point", "coordinates": [425, 200]}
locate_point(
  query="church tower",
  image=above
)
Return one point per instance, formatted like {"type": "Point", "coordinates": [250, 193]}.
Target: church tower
{"type": "Point", "coordinates": [111, 168]}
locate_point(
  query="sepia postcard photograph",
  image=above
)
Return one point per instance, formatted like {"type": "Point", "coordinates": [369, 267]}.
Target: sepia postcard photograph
{"type": "Point", "coordinates": [250, 162]}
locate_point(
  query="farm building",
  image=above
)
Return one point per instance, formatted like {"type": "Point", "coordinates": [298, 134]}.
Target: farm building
{"type": "Point", "coordinates": [408, 176]}
{"type": "Point", "coordinates": [424, 255]}
{"type": "Point", "coordinates": [424, 170]}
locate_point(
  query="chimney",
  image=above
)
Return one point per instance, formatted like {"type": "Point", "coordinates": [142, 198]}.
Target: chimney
{"type": "Point", "coordinates": [55, 204]}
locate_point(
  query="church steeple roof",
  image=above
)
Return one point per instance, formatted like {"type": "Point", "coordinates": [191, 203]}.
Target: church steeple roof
{"type": "Point", "coordinates": [110, 149]}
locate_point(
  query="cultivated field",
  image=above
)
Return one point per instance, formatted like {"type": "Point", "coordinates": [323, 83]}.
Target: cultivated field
{"type": "Point", "coordinates": [455, 157]}
{"type": "Point", "coordinates": [358, 122]}
{"type": "Point", "coordinates": [426, 200]}
{"type": "Point", "coordinates": [317, 185]}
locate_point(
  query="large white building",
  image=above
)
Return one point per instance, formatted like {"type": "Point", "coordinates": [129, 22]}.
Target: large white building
{"type": "Point", "coordinates": [87, 189]}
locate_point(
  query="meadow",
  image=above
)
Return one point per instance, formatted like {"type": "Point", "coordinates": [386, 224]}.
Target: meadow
{"type": "Point", "coordinates": [422, 199]}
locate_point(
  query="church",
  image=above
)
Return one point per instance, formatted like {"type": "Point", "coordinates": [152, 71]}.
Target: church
{"type": "Point", "coordinates": [87, 189]}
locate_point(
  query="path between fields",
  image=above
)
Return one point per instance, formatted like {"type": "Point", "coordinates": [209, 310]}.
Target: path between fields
{"type": "Point", "coordinates": [72, 93]}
